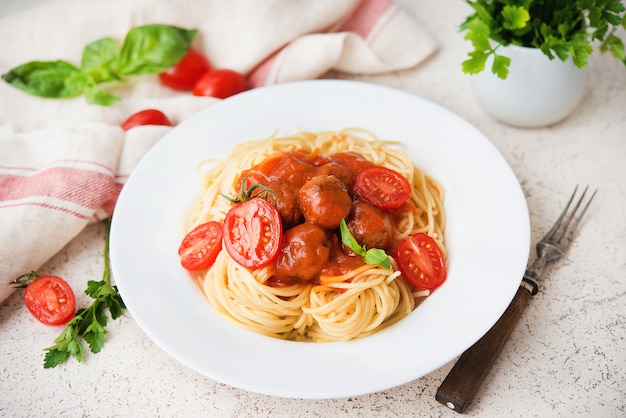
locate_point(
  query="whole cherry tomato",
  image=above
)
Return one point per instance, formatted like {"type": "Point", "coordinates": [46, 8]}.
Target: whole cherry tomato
{"type": "Point", "coordinates": [421, 261]}
{"type": "Point", "coordinates": [189, 69]}
{"type": "Point", "coordinates": [220, 83]}
{"type": "Point", "coordinates": [50, 300]}
{"type": "Point", "coordinates": [200, 247]}
{"type": "Point", "coordinates": [146, 117]}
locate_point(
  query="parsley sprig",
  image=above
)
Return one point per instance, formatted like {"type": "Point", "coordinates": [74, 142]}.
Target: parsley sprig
{"type": "Point", "coordinates": [245, 194]}
{"type": "Point", "coordinates": [559, 28]}
{"type": "Point", "coordinates": [374, 256]}
{"type": "Point", "coordinates": [89, 323]}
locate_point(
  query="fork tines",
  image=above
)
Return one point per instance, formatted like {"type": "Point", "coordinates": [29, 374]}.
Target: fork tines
{"type": "Point", "coordinates": [562, 230]}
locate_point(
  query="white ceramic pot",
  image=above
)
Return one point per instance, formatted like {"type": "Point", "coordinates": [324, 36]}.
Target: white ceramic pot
{"type": "Point", "coordinates": [537, 92]}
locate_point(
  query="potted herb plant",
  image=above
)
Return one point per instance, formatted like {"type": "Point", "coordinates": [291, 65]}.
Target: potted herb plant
{"type": "Point", "coordinates": [528, 57]}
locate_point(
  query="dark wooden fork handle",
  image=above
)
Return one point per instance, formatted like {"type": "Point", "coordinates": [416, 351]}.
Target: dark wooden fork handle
{"type": "Point", "coordinates": [460, 385]}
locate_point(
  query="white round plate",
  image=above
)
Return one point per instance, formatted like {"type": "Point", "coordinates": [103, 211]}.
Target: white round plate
{"type": "Point", "coordinates": [487, 237]}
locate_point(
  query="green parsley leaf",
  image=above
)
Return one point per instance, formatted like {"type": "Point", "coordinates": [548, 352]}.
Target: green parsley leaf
{"type": "Point", "coordinates": [94, 288]}
{"type": "Point", "coordinates": [515, 17]}
{"type": "Point", "coordinates": [500, 66]}
{"type": "Point", "coordinates": [580, 51]}
{"type": "Point", "coordinates": [89, 323]}
{"type": "Point", "coordinates": [612, 10]}
{"type": "Point", "coordinates": [478, 35]}
{"type": "Point", "coordinates": [476, 63]}
{"type": "Point", "coordinates": [561, 28]}
{"type": "Point", "coordinates": [483, 11]}
{"type": "Point", "coordinates": [616, 46]}
{"type": "Point", "coordinates": [54, 357]}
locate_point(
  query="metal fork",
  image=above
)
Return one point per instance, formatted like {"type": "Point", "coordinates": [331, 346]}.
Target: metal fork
{"type": "Point", "coordinates": [556, 241]}
{"type": "Point", "coordinates": [460, 385]}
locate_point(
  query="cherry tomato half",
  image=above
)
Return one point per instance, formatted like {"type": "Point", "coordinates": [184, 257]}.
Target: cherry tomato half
{"type": "Point", "coordinates": [383, 187]}
{"type": "Point", "coordinates": [220, 83]}
{"type": "Point", "coordinates": [253, 233]}
{"type": "Point", "coordinates": [51, 300]}
{"type": "Point", "coordinates": [146, 117]}
{"type": "Point", "coordinates": [421, 261]}
{"type": "Point", "coordinates": [189, 69]}
{"type": "Point", "coordinates": [200, 247]}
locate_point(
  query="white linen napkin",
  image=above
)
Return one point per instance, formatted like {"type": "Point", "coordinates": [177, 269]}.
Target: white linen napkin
{"type": "Point", "coordinates": [63, 162]}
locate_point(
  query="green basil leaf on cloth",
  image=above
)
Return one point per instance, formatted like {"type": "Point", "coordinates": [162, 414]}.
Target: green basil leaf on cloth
{"type": "Point", "coordinates": [151, 49]}
{"type": "Point", "coordinates": [99, 60]}
{"type": "Point", "coordinates": [51, 79]}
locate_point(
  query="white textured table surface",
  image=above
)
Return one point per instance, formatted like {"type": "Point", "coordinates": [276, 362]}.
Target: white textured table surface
{"type": "Point", "coordinates": [567, 356]}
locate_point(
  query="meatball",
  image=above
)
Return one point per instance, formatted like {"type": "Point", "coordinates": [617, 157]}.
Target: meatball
{"type": "Point", "coordinates": [345, 166]}
{"type": "Point", "coordinates": [285, 199]}
{"type": "Point", "coordinates": [370, 226]}
{"type": "Point", "coordinates": [306, 248]}
{"type": "Point", "coordinates": [324, 200]}
{"type": "Point", "coordinates": [338, 170]}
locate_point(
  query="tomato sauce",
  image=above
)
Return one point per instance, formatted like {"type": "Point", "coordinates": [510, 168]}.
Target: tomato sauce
{"type": "Point", "coordinates": [341, 262]}
{"type": "Point", "coordinates": [312, 194]}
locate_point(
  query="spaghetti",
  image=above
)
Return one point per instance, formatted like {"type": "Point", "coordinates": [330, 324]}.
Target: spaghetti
{"type": "Point", "coordinates": [335, 307]}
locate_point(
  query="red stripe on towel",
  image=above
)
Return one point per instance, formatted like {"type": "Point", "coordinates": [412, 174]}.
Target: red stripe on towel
{"type": "Point", "coordinates": [259, 77]}
{"type": "Point", "coordinates": [365, 17]}
{"type": "Point", "coordinates": [46, 206]}
{"type": "Point", "coordinates": [81, 187]}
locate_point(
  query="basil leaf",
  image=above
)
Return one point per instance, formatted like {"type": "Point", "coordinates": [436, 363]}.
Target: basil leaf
{"type": "Point", "coordinates": [100, 60]}
{"type": "Point", "coordinates": [377, 256]}
{"type": "Point", "coordinates": [51, 79]}
{"type": "Point", "coordinates": [372, 256]}
{"type": "Point", "coordinates": [348, 239]}
{"type": "Point", "coordinates": [146, 49]}
{"type": "Point", "coordinates": [95, 95]}
{"type": "Point", "coordinates": [151, 49]}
